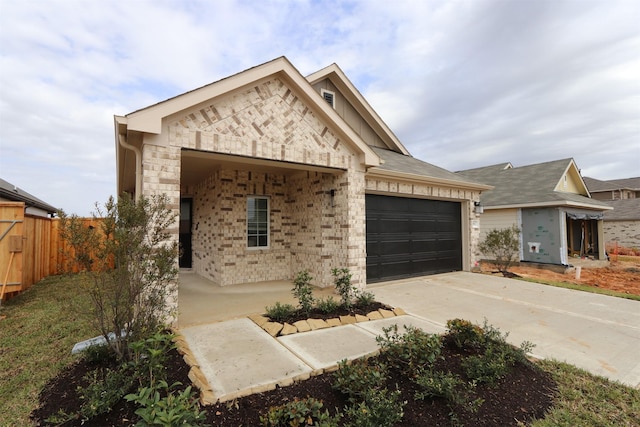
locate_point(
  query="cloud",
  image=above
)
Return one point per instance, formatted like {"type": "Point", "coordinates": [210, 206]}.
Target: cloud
{"type": "Point", "coordinates": [461, 83]}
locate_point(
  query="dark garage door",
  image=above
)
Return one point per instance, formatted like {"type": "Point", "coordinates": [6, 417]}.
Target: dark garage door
{"type": "Point", "coordinates": [411, 237]}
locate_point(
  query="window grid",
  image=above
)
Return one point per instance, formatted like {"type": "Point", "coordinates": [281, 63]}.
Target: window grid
{"type": "Point", "coordinates": [257, 222]}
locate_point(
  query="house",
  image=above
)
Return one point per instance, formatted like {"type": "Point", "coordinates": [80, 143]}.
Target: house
{"type": "Point", "coordinates": [33, 205]}
{"type": "Point", "coordinates": [550, 203]}
{"type": "Point", "coordinates": [274, 173]}
{"type": "Point", "coordinates": [622, 224]}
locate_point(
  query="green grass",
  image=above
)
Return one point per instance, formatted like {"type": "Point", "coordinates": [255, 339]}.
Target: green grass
{"type": "Point", "coordinates": [42, 324]}
{"type": "Point", "coordinates": [584, 288]}
{"type": "Point", "coordinates": [37, 334]}
{"type": "Point", "coordinates": [587, 400]}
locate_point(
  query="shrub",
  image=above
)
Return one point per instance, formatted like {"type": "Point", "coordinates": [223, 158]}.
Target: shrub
{"type": "Point", "coordinates": [303, 291]}
{"type": "Point", "coordinates": [300, 412]}
{"type": "Point", "coordinates": [149, 356]}
{"type": "Point", "coordinates": [378, 408]}
{"type": "Point", "coordinates": [465, 334]}
{"type": "Point", "coordinates": [503, 245]}
{"type": "Point", "coordinates": [497, 358]}
{"type": "Point", "coordinates": [412, 351]}
{"type": "Point", "coordinates": [130, 264]}
{"type": "Point", "coordinates": [365, 299]}
{"type": "Point", "coordinates": [169, 408]}
{"type": "Point", "coordinates": [280, 312]}
{"type": "Point", "coordinates": [327, 305]}
{"type": "Point", "coordinates": [104, 390]}
{"type": "Point", "coordinates": [342, 281]}
{"type": "Point", "coordinates": [357, 378]}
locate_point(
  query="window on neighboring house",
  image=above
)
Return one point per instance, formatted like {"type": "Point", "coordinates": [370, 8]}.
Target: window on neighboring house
{"type": "Point", "coordinates": [329, 96]}
{"type": "Point", "coordinates": [257, 222]}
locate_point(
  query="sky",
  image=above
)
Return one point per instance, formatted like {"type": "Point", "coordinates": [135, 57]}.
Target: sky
{"type": "Point", "coordinates": [462, 84]}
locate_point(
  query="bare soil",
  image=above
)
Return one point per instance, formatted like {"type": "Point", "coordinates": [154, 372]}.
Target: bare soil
{"type": "Point", "coordinates": [622, 275]}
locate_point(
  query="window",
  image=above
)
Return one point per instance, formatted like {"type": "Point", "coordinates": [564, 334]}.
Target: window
{"type": "Point", "coordinates": [257, 222]}
{"type": "Point", "coordinates": [329, 96]}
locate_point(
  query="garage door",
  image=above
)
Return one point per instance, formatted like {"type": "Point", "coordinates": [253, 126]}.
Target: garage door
{"type": "Point", "coordinates": [411, 237]}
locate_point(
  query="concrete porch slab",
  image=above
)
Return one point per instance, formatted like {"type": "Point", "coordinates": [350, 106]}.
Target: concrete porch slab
{"type": "Point", "coordinates": [238, 358]}
{"type": "Point", "coordinates": [322, 349]}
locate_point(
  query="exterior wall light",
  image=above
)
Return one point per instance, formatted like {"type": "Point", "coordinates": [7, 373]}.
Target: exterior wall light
{"type": "Point", "coordinates": [478, 208]}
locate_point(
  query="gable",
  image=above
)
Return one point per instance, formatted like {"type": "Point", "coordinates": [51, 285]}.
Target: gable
{"type": "Point", "coordinates": [268, 120]}
{"type": "Point", "coordinates": [571, 182]}
{"type": "Point", "coordinates": [355, 110]}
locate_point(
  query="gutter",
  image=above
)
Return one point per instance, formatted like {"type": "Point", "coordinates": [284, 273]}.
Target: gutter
{"type": "Point", "coordinates": [138, 153]}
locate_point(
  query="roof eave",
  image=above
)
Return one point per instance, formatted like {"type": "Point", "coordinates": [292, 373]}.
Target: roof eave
{"type": "Point", "coordinates": [549, 204]}
{"type": "Point", "coordinates": [422, 179]}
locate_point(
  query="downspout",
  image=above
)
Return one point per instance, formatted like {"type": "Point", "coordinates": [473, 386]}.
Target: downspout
{"type": "Point", "coordinates": [138, 154]}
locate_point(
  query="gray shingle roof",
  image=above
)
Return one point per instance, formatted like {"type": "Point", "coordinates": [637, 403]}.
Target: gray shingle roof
{"type": "Point", "coordinates": [596, 185]}
{"type": "Point", "coordinates": [623, 210]}
{"type": "Point", "coordinates": [11, 192]}
{"type": "Point", "coordinates": [398, 162]}
{"type": "Point", "coordinates": [527, 185]}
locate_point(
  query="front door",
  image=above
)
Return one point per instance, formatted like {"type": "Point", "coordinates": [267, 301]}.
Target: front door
{"type": "Point", "coordinates": [185, 233]}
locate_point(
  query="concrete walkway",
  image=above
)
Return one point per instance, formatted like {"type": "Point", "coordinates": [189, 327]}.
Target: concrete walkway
{"type": "Point", "coordinates": [594, 332]}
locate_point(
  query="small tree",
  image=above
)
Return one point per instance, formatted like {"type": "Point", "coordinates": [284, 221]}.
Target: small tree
{"type": "Point", "coordinates": [503, 245]}
{"type": "Point", "coordinates": [303, 291]}
{"type": "Point", "coordinates": [132, 270]}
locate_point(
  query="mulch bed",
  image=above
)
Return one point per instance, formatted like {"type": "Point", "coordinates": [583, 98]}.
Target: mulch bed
{"type": "Point", "coordinates": [524, 394]}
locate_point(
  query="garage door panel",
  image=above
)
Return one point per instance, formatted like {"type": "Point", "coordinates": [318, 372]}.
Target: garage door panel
{"type": "Point", "coordinates": [410, 237]}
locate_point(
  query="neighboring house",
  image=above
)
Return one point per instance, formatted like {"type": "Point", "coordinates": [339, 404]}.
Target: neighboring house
{"type": "Point", "coordinates": [622, 225]}
{"type": "Point", "coordinates": [550, 203]}
{"type": "Point", "coordinates": [614, 189]}
{"type": "Point", "coordinates": [33, 205]}
{"type": "Point", "coordinates": [273, 173]}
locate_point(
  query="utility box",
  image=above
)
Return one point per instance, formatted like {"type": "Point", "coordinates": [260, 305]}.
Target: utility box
{"type": "Point", "coordinates": [15, 243]}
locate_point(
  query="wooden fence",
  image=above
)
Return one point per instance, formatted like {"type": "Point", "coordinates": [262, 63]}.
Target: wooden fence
{"type": "Point", "coordinates": [30, 248]}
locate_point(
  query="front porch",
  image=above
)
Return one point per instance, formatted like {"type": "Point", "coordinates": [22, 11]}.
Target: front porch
{"type": "Point", "coordinates": [202, 301]}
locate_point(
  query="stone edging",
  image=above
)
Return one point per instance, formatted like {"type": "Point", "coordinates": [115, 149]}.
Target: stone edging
{"type": "Point", "coordinates": [207, 397]}
{"type": "Point", "coordinates": [195, 373]}
{"type": "Point", "coordinates": [276, 329]}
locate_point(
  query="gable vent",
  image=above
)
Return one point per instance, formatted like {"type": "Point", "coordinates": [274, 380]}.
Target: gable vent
{"type": "Point", "coordinates": [329, 96]}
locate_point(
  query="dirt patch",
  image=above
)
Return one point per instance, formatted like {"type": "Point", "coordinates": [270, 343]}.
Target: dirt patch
{"type": "Point", "coordinates": [622, 275]}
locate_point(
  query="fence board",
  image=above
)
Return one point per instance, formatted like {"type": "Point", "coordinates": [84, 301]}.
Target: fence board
{"type": "Point", "coordinates": [43, 253]}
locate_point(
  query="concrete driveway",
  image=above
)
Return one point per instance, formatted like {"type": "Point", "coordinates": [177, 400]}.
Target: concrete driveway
{"type": "Point", "coordinates": [595, 332]}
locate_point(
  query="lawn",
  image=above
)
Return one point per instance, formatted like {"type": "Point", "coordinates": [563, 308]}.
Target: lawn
{"type": "Point", "coordinates": [39, 327]}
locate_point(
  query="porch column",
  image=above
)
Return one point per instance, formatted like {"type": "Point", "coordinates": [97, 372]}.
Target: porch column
{"type": "Point", "coordinates": [161, 175]}
{"type": "Point", "coordinates": [355, 232]}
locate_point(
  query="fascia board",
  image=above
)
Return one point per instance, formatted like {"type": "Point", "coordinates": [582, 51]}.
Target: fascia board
{"type": "Point", "coordinates": [149, 120]}
{"type": "Point", "coordinates": [549, 204]}
{"type": "Point", "coordinates": [421, 179]}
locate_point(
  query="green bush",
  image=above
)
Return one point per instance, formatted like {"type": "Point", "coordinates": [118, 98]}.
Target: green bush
{"type": "Point", "coordinates": [299, 413]}
{"type": "Point", "coordinates": [104, 390]}
{"type": "Point", "coordinates": [280, 312]}
{"type": "Point", "coordinates": [149, 356]}
{"type": "Point", "coordinates": [412, 351]}
{"type": "Point", "coordinates": [357, 378]}
{"type": "Point", "coordinates": [303, 290]}
{"type": "Point", "coordinates": [465, 334]}
{"type": "Point", "coordinates": [365, 298]}
{"type": "Point", "coordinates": [378, 408]}
{"type": "Point", "coordinates": [327, 305]}
{"type": "Point", "coordinates": [169, 408]}
{"type": "Point", "coordinates": [503, 245]}
{"type": "Point", "coordinates": [497, 358]}
{"type": "Point", "coordinates": [342, 281]}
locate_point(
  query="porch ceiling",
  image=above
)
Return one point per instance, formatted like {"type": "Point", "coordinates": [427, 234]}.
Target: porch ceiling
{"type": "Point", "coordinates": [198, 165]}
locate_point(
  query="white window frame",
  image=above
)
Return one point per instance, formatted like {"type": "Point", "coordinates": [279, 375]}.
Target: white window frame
{"type": "Point", "coordinates": [333, 97]}
{"type": "Point", "coordinates": [258, 234]}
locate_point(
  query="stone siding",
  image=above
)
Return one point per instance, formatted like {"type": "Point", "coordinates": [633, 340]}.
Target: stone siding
{"type": "Point", "coordinates": [625, 233]}
{"type": "Point", "coordinates": [268, 121]}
